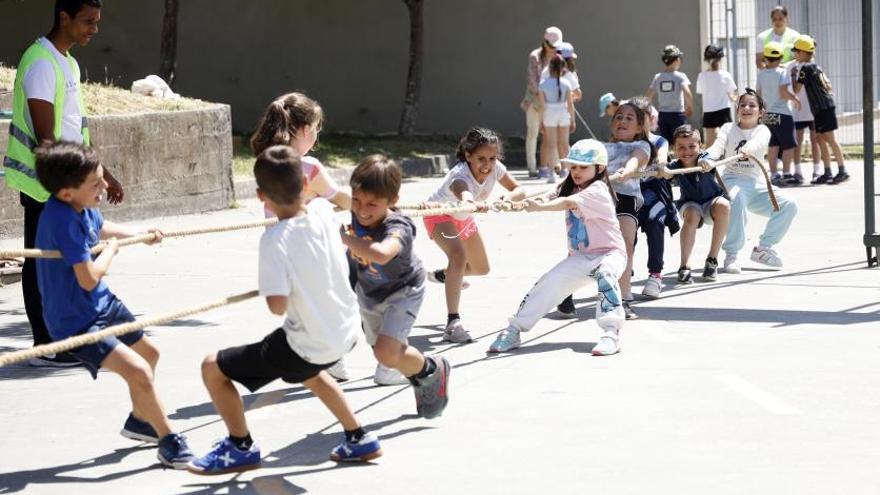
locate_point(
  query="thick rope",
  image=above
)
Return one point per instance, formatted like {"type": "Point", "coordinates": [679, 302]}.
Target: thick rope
{"type": "Point", "coordinates": [117, 330]}
{"type": "Point", "coordinates": [654, 170]}
{"type": "Point", "coordinates": [767, 180]}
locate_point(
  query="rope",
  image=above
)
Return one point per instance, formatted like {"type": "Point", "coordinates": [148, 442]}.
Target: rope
{"type": "Point", "coordinates": [117, 330]}
{"type": "Point", "coordinates": [98, 248]}
{"type": "Point", "coordinates": [767, 180]}
{"type": "Point", "coordinates": [654, 171]}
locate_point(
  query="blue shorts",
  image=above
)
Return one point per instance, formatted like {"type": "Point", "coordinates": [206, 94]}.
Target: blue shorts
{"type": "Point", "coordinates": [93, 355]}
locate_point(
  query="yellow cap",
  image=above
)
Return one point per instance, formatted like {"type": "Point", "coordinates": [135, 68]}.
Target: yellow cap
{"type": "Point", "coordinates": [805, 43]}
{"type": "Point", "coordinates": [773, 49]}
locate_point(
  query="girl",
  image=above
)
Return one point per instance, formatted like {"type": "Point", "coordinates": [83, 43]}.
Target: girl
{"type": "Point", "coordinates": [471, 180]}
{"type": "Point", "coordinates": [595, 247]}
{"type": "Point", "coordinates": [746, 186]}
{"type": "Point", "coordinates": [718, 90]}
{"type": "Point", "coordinates": [538, 60]}
{"type": "Point", "coordinates": [628, 152]}
{"type": "Point", "coordinates": [556, 103]}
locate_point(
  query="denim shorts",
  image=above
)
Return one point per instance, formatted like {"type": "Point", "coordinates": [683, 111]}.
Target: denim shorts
{"type": "Point", "coordinates": [93, 355]}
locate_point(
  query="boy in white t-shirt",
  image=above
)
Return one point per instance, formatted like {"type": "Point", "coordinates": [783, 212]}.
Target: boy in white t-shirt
{"type": "Point", "coordinates": [303, 273]}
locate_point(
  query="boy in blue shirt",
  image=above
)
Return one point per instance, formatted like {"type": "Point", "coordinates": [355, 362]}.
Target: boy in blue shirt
{"type": "Point", "coordinates": [76, 300]}
{"type": "Point", "coordinates": [703, 200]}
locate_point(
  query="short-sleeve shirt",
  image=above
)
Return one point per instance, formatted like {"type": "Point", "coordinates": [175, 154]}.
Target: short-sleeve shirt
{"type": "Point", "coordinates": [303, 259]}
{"type": "Point", "coordinates": [462, 172]}
{"type": "Point", "coordinates": [555, 90]}
{"type": "Point", "coordinates": [668, 86]}
{"type": "Point", "coordinates": [572, 77]}
{"type": "Point", "coordinates": [661, 145]}
{"type": "Point", "coordinates": [769, 81]}
{"type": "Point", "coordinates": [39, 84]}
{"type": "Point", "coordinates": [68, 309]}
{"type": "Point", "coordinates": [715, 86]}
{"type": "Point", "coordinates": [731, 140]}
{"type": "Point", "coordinates": [618, 155]}
{"type": "Point", "coordinates": [805, 114]}
{"type": "Point", "coordinates": [404, 270]}
{"type": "Point", "coordinates": [317, 183]}
{"type": "Point", "coordinates": [593, 227]}
{"type": "Point", "coordinates": [814, 81]}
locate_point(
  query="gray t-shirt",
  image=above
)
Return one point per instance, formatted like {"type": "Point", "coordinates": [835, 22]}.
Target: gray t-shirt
{"type": "Point", "coordinates": [769, 81]}
{"type": "Point", "coordinates": [618, 155]}
{"type": "Point", "coordinates": [668, 86]}
{"type": "Point", "coordinates": [380, 281]}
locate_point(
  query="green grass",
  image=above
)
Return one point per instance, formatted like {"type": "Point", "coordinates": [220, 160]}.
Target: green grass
{"type": "Point", "coordinates": [857, 151]}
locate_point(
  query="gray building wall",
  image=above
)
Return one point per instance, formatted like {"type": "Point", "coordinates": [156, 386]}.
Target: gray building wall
{"type": "Point", "coordinates": [352, 55]}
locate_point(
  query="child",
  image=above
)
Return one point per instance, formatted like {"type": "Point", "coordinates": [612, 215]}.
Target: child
{"type": "Point", "coordinates": [556, 103]}
{"type": "Point", "coordinates": [303, 274]}
{"type": "Point", "coordinates": [595, 246]}
{"type": "Point", "coordinates": [471, 180]}
{"type": "Point", "coordinates": [608, 104]}
{"type": "Point", "coordinates": [76, 300]}
{"type": "Point", "coordinates": [813, 80]}
{"type": "Point", "coordinates": [566, 51]}
{"type": "Point", "coordinates": [718, 90]}
{"type": "Point", "coordinates": [746, 187]}
{"type": "Point", "coordinates": [773, 88]}
{"type": "Point", "coordinates": [673, 88]}
{"type": "Point", "coordinates": [295, 120]}
{"type": "Point", "coordinates": [702, 200]}
{"type": "Point", "coordinates": [391, 281]}
{"type": "Point", "coordinates": [628, 152]}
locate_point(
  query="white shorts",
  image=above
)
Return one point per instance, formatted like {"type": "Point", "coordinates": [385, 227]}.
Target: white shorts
{"type": "Point", "coordinates": [705, 210]}
{"type": "Point", "coordinates": [556, 115]}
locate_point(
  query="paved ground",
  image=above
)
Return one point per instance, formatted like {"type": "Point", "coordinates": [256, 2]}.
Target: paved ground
{"type": "Point", "coordinates": [764, 382]}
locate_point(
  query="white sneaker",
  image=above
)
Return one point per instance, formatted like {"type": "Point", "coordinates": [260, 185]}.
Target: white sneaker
{"type": "Point", "coordinates": [608, 344]}
{"type": "Point", "coordinates": [551, 177]}
{"type": "Point", "coordinates": [338, 371]}
{"type": "Point", "coordinates": [730, 264]}
{"type": "Point", "coordinates": [766, 256]}
{"type": "Point", "coordinates": [388, 376]}
{"type": "Point", "coordinates": [456, 333]}
{"type": "Point", "coordinates": [653, 287]}
{"type": "Point", "coordinates": [432, 277]}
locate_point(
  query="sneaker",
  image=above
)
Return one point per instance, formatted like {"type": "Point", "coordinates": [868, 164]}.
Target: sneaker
{"type": "Point", "coordinates": [730, 264]}
{"type": "Point", "coordinates": [777, 180]}
{"type": "Point", "coordinates": [533, 174]}
{"type": "Point", "coordinates": [766, 256]}
{"type": "Point", "coordinates": [363, 450]}
{"type": "Point", "coordinates": [60, 360]}
{"type": "Point", "coordinates": [566, 308]}
{"type": "Point", "coordinates": [841, 176]}
{"type": "Point", "coordinates": [653, 286]}
{"type": "Point", "coordinates": [684, 275]}
{"type": "Point", "coordinates": [825, 178]}
{"type": "Point", "coordinates": [543, 173]}
{"type": "Point", "coordinates": [563, 174]}
{"type": "Point", "coordinates": [456, 333]}
{"type": "Point", "coordinates": [388, 376]}
{"type": "Point", "coordinates": [432, 392]}
{"type": "Point", "coordinates": [815, 178]}
{"type": "Point", "coordinates": [225, 457]}
{"type": "Point", "coordinates": [141, 431]}
{"type": "Point", "coordinates": [628, 311]}
{"type": "Point", "coordinates": [338, 371]}
{"type": "Point", "coordinates": [793, 180]}
{"type": "Point", "coordinates": [506, 341]}
{"type": "Point", "coordinates": [551, 177]}
{"type": "Point", "coordinates": [710, 270]}
{"type": "Point", "coordinates": [174, 452]}
{"type": "Point", "coordinates": [439, 277]}
{"type": "Point", "coordinates": [608, 344]}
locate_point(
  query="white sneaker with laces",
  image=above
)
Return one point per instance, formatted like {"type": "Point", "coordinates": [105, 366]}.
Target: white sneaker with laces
{"type": "Point", "coordinates": [653, 286]}
{"type": "Point", "coordinates": [608, 344]}
{"type": "Point", "coordinates": [730, 264]}
{"type": "Point", "coordinates": [338, 371]}
{"type": "Point", "coordinates": [388, 376]}
{"type": "Point", "coordinates": [766, 256]}
{"type": "Point", "coordinates": [456, 333]}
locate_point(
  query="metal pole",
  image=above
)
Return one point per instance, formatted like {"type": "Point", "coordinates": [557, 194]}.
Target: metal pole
{"type": "Point", "coordinates": [733, 52]}
{"type": "Point", "coordinates": [871, 238]}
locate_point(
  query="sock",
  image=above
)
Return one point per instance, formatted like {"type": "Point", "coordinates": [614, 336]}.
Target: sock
{"type": "Point", "coordinates": [841, 169]}
{"type": "Point", "coordinates": [451, 317]}
{"type": "Point", "coordinates": [427, 369]}
{"type": "Point", "coordinates": [798, 170]}
{"type": "Point", "coordinates": [828, 170]}
{"type": "Point", "coordinates": [817, 169]}
{"type": "Point", "coordinates": [242, 443]}
{"type": "Point", "coordinates": [440, 275]}
{"type": "Point", "coordinates": [354, 436]}
{"type": "Point", "coordinates": [710, 259]}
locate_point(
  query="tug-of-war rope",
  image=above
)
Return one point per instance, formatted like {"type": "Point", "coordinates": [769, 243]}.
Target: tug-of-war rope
{"type": "Point", "coordinates": [418, 210]}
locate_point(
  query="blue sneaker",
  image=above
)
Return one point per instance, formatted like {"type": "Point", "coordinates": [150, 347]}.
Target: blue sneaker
{"type": "Point", "coordinates": [225, 457]}
{"type": "Point", "coordinates": [174, 452]}
{"type": "Point", "coordinates": [507, 340]}
{"type": "Point", "coordinates": [141, 431]}
{"type": "Point", "coordinates": [367, 448]}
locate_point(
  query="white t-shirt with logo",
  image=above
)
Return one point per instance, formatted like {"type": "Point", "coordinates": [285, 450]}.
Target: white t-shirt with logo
{"type": "Point", "coordinates": [303, 259]}
{"type": "Point", "coordinates": [462, 172]}
{"type": "Point", "coordinates": [733, 139]}
{"type": "Point", "coordinates": [39, 84]}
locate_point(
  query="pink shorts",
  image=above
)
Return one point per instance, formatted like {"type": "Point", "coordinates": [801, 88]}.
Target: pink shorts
{"type": "Point", "coordinates": [464, 228]}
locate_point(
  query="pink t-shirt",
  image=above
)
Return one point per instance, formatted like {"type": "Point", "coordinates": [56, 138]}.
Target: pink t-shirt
{"type": "Point", "coordinates": [316, 183]}
{"type": "Point", "coordinates": [592, 226]}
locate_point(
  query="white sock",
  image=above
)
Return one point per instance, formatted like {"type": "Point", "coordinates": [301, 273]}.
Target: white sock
{"type": "Point", "coordinates": [817, 168]}
{"type": "Point", "coordinates": [798, 170]}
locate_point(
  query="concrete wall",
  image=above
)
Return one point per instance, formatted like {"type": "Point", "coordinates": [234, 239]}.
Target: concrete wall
{"type": "Point", "coordinates": [352, 55]}
{"type": "Point", "coordinates": [169, 164]}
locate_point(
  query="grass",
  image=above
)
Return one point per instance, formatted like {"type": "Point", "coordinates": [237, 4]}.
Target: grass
{"type": "Point", "coordinates": [857, 151]}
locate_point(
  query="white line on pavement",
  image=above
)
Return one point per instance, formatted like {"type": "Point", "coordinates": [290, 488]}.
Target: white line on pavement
{"type": "Point", "coordinates": [763, 398]}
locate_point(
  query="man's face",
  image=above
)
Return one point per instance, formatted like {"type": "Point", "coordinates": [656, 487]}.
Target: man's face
{"type": "Point", "coordinates": [83, 26]}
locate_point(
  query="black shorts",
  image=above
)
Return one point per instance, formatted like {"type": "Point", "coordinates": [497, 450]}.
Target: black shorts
{"type": "Point", "coordinates": [717, 118]}
{"type": "Point", "coordinates": [804, 124]}
{"type": "Point", "coordinates": [781, 130]}
{"type": "Point", "coordinates": [626, 205]}
{"type": "Point", "coordinates": [258, 364]}
{"type": "Point", "coordinates": [826, 120]}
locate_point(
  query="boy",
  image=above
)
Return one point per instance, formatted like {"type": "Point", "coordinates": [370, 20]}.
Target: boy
{"type": "Point", "coordinates": [391, 282]}
{"type": "Point", "coordinates": [809, 76]}
{"type": "Point", "coordinates": [773, 86]}
{"type": "Point", "coordinates": [76, 300]}
{"type": "Point", "coordinates": [303, 273]}
{"type": "Point", "coordinates": [703, 200]}
{"type": "Point", "coordinates": [673, 88]}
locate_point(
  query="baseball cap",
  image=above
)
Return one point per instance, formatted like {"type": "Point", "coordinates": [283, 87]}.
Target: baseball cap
{"type": "Point", "coordinates": [587, 152]}
{"type": "Point", "coordinates": [773, 49]}
{"type": "Point", "coordinates": [553, 35]}
{"type": "Point", "coordinates": [566, 50]}
{"type": "Point", "coordinates": [805, 43]}
{"type": "Point", "coordinates": [604, 101]}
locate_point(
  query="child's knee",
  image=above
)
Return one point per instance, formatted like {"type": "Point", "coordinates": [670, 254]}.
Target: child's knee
{"type": "Point", "coordinates": [211, 370]}
{"type": "Point", "coordinates": [721, 207]}
{"type": "Point", "coordinates": [388, 352]}
{"type": "Point", "coordinates": [480, 269]}
{"type": "Point", "coordinates": [139, 376]}
{"type": "Point", "coordinates": [691, 216]}
{"type": "Point", "coordinates": [457, 256]}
